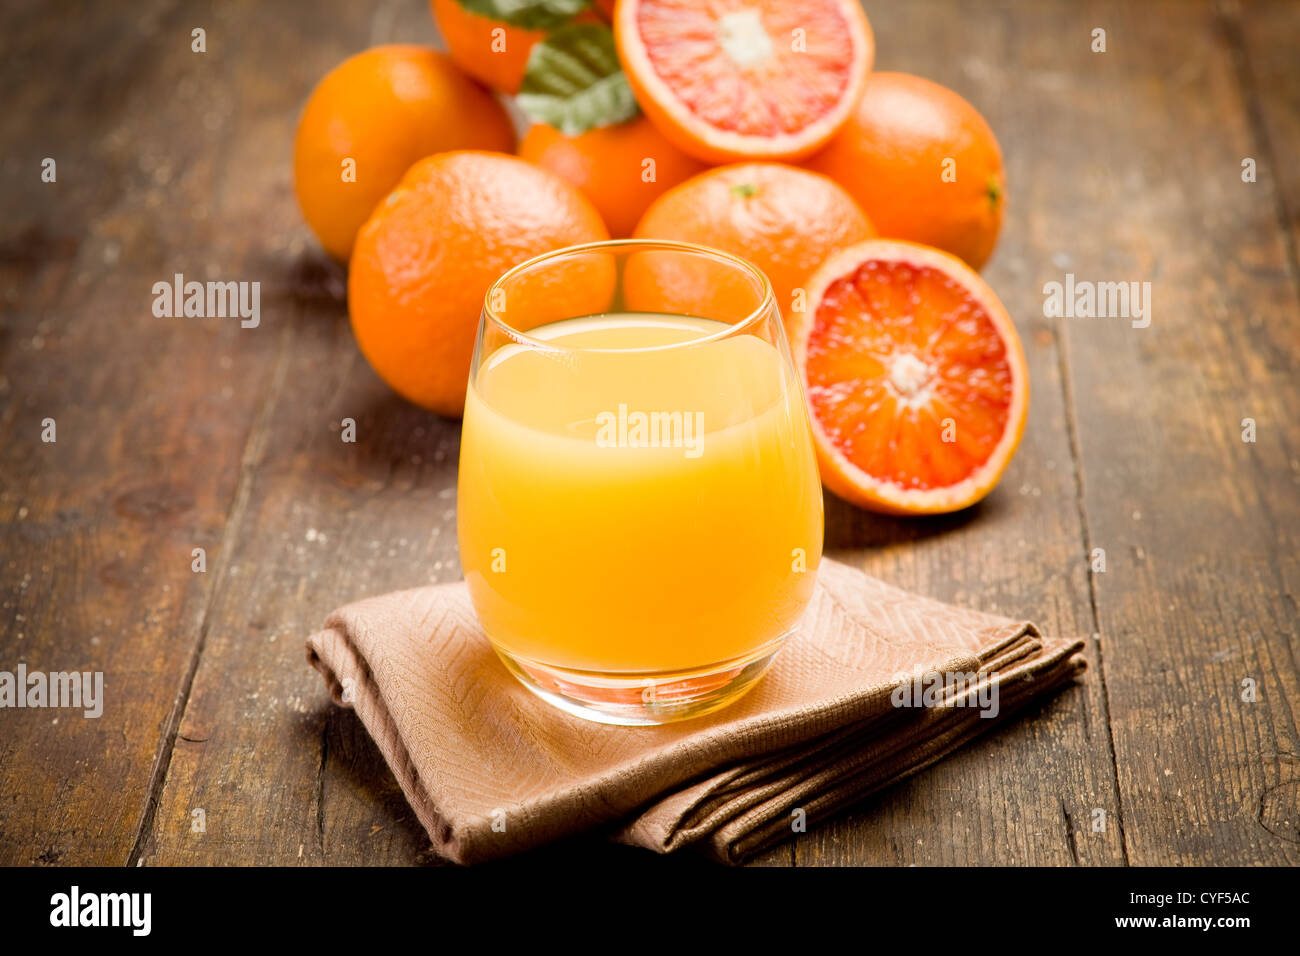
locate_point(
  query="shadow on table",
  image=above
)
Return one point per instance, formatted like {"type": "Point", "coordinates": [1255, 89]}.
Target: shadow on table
{"type": "Point", "coordinates": [314, 282]}
{"type": "Point", "coordinates": [849, 527]}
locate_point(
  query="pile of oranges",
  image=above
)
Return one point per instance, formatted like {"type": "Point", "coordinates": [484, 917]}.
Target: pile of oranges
{"type": "Point", "coordinates": [757, 127]}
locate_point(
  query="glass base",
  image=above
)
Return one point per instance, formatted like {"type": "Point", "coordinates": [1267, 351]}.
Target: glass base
{"type": "Point", "coordinates": [643, 699]}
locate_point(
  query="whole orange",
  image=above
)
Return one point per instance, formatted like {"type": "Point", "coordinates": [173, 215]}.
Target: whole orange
{"type": "Point", "coordinates": [492, 51]}
{"type": "Point", "coordinates": [783, 219]}
{"type": "Point", "coordinates": [621, 168]}
{"type": "Point", "coordinates": [425, 258]}
{"type": "Point", "coordinates": [369, 119]}
{"type": "Point", "coordinates": [924, 165]}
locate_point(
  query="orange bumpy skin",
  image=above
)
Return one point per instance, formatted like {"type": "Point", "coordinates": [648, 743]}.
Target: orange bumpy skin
{"type": "Point", "coordinates": [924, 165]}
{"type": "Point", "coordinates": [621, 168]}
{"type": "Point", "coordinates": [427, 256]}
{"type": "Point", "coordinates": [783, 219]}
{"type": "Point", "coordinates": [369, 119]}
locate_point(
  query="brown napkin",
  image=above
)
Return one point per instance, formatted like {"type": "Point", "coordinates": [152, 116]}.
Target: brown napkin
{"type": "Point", "coordinates": [491, 770]}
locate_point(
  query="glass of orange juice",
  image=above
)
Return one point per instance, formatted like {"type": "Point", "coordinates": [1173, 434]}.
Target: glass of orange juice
{"type": "Point", "coordinates": [640, 515]}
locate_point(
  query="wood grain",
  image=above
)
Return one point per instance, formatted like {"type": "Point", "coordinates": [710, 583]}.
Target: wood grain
{"type": "Point", "coordinates": [151, 414]}
{"type": "Point", "coordinates": [1024, 795]}
{"type": "Point", "coordinates": [317, 519]}
{"type": "Point", "coordinates": [1198, 527]}
{"type": "Point", "coordinates": [1264, 36]}
{"type": "Point", "coordinates": [175, 434]}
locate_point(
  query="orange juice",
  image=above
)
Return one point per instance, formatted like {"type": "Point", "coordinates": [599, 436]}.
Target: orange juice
{"type": "Point", "coordinates": [632, 504]}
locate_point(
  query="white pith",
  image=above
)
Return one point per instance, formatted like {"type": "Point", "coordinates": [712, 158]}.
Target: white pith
{"type": "Point", "coordinates": [908, 376]}
{"type": "Point", "coordinates": [743, 38]}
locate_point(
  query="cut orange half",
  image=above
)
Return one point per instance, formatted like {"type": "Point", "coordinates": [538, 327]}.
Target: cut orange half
{"type": "Point", "coordinates": [745, 79]}
{"type": "Point", "coordinates": [916, 379]}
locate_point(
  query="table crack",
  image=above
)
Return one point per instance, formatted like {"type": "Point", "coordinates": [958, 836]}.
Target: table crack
{"type": "Point", "coordinates": [1076, 455]}
{"type": "Point", "coordinates": [239, 503]}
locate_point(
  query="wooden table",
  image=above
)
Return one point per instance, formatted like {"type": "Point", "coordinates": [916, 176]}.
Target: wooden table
{"type": "Point", "coordinates": [176, 434]}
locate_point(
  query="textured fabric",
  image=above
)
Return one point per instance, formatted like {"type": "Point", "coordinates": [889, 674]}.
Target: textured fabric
{"type": "Point", "coordinates": [491, 770]}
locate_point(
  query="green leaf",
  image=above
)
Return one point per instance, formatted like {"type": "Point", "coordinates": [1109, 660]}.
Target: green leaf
{"type": "Point", "coordinates": [528, 14]}
{"type": "Point", "coordinates": [574, 81]}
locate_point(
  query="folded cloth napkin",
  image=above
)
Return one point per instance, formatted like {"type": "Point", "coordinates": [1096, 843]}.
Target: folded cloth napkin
{"type": "Point", "coordinates": [877, 684]}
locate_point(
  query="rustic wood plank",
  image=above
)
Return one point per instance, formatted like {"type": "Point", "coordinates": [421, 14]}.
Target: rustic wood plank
{"type": "Point", "coordinates": [1025, 794]}
{"type": "Point", "coordinates": [152, 414]}
{"type": "Point", "coordinates": [1266, 36]}
{"type": "Point", "coordinates": [257, 738]}
{"type": "Point", "coordinates": [1199, 528]}
{"type": "Point", "coordinates": [353, 826]}
{"type": "Point", "coordinates": [324, 522]}
{"type": "Point", "coordinates": [1122, 165]}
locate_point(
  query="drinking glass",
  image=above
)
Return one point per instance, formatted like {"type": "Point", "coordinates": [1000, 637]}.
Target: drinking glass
{"type": "Point", "coordinates": [640, 514]}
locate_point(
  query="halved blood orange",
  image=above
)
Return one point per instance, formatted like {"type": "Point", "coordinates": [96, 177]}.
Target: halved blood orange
{"type": "Point", "coordinates": [916, 379]}
{"type": "Point", "coordinates": [745, 79]}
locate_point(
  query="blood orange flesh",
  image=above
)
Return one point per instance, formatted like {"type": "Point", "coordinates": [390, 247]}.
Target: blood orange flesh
{"type": "Point", "coordinates": [738, 79]}
{"type": "Point", "coordinates": [916, 379]}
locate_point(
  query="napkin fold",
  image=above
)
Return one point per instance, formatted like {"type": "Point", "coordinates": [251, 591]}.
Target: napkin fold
{"type": "Point", "coordinates": [877, 684]}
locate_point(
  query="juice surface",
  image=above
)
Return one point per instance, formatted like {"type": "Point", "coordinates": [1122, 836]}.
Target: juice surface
{"type": "Point", "coordinates": [633, 504]}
